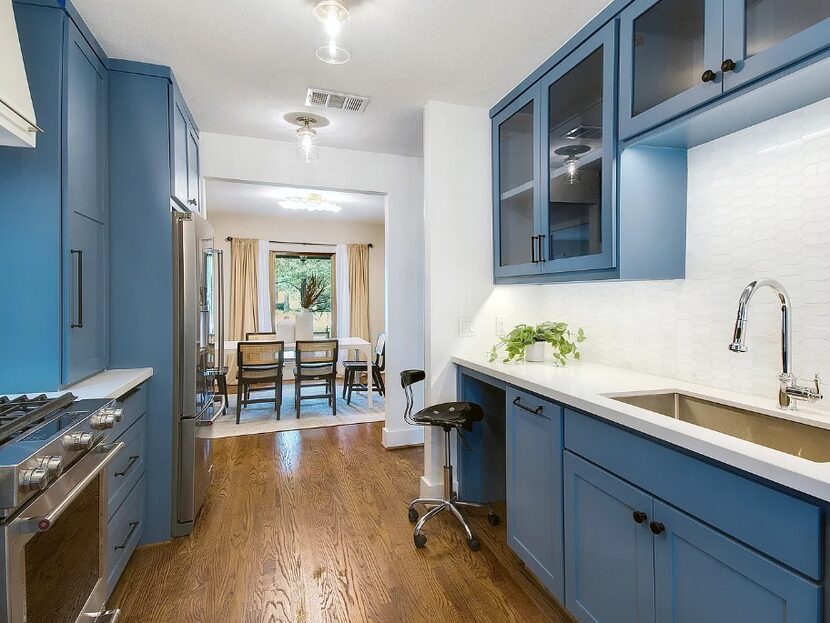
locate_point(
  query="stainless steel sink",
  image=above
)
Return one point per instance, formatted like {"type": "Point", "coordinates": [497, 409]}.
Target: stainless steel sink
{"type": "Point", "coordinates": [797, 439]}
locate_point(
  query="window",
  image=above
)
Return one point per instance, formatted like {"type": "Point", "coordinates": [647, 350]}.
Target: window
{"type": "Point", "coordinates": [308, 275]}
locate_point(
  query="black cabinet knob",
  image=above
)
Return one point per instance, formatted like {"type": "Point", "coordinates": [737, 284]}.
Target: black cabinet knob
{"type": "Point", "coordinates": [656, 527]}
{"type": "Point", "coordinates": [728, 65]}
{"type": "Point", "coordinates": [639, 516]}
{"type": "Point", "coordinates": [709, 76]}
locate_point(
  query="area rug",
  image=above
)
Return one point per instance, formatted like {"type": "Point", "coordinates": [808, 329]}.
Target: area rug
{"type": "Point", "coordinates": [261, 418]}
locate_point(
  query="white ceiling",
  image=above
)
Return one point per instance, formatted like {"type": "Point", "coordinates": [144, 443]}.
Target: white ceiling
{"type": "Point", "coordinates": [243, 198]}
{"type": "Point", "coordinates": [242, 64]}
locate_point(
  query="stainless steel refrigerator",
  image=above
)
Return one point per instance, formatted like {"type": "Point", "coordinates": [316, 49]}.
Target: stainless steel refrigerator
{"type": "Point", "coordinates": [197, 355]}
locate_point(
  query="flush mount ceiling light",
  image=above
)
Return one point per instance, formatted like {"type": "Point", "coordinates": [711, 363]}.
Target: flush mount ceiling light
{"type": "Point", "coordinates": [572, 153]}
{"type": "Point", "coordinates": [313, 203]}
{"type": "Point", "coordinates": [333, 14]}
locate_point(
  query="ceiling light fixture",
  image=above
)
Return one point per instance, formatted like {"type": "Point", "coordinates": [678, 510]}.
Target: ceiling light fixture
{"type": "Point", "coordinates": [313, 203]}
{"type": "Point", "coordinates": [307, 140]}
{"type": "Point", "coordinates": [333, 14]}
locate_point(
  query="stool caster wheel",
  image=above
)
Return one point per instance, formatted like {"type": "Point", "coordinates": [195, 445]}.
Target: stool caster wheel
{"type": "Point", "coordinates": [494, 519]}
{"type": "Point", "coordinates": [413, 515]}
{"type": "Point", "coordinates": [473, 544]}
{"type": "Point", "coordinates": [420, 540]}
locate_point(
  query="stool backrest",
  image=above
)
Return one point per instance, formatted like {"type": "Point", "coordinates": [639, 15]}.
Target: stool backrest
{"type": "Point", "coordinates": [408, 379]}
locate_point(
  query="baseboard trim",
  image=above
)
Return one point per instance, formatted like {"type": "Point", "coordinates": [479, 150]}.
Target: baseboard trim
{"type": "Point", "coordinates": [401, 438]}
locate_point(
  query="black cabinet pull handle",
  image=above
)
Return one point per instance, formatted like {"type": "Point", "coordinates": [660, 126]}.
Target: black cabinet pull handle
{"type": "Point", "coordinates": [80, 254]}
{"type": "Point", "coordinates": [533, 250]}
{"type": "Point", "coordinates": [639, 516]}
{"type": "Point", "coordinates": [656, 527]}
{"type": "Point", "coordinates": [541, 239]}
{"type": "Point", "coordinates": [728, 65]}
{"type": "Point", "coordinates": [192, 202]}
{"type": "Point", "coordinates": [128, 466]}
{"type": "Point", "coordinates": [709, 76]}
{"type": "Point", "coordinates": [133, 527]}
{"type": "Point", "coordinates": [537, 411]}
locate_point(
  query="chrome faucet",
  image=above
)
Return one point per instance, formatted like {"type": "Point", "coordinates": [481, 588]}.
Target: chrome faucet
{"type": "Point", "coordinates": [788, 388]}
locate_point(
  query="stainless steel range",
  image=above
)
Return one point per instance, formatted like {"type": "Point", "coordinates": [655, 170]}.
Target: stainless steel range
{"type": "Point", "coordinates": [53, 503]}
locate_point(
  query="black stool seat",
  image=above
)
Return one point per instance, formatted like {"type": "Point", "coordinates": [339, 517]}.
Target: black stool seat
{"type": "Point", "coordinates": [450, 415]}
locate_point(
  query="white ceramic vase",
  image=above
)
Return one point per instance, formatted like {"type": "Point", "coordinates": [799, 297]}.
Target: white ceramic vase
{"type": "Point", "coordinates": [304, 325]}
{"type": "Point", "coordinates": [535, 352]}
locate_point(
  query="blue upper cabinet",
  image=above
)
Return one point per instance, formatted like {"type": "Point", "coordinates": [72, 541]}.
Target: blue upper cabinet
{"type": "Point", "coordinates": [762, 36]}
{"type": "Point", "coordinates": [517, 186]}
{"type": "Point", "coordinates": [578, 158]}
{"type": "Point", "coordinates": [670, 58]}
{"type": "Point", "coordinates": [184, 138]}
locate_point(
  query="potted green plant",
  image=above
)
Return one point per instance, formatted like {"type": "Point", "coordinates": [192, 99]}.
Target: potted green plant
{"type": "Point", "coordinates": [528, 342]}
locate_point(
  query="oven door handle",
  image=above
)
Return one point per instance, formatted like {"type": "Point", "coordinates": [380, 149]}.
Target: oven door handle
{"type": "Point", "coordinates": [31, 525]}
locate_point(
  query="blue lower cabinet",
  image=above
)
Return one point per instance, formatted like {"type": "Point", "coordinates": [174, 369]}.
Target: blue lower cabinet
{"type": "Point", "coordinates": [702, 575]}
{"type": "Point", "coordinates": [534, 487]}
{"type": "Point", "coordinates": [128, 467]}
{"type": "Point", "coordinates": [608, 549]}
{"type": "Point", "coordinates": [124, 533]}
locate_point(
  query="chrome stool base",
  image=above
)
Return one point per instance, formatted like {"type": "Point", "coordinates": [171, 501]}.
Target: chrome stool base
{"type": "Point", "coordinates": [451, 503]}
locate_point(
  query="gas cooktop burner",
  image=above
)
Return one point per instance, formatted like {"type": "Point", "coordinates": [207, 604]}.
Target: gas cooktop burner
{"type": "Point", "coordinates": [20, 414]}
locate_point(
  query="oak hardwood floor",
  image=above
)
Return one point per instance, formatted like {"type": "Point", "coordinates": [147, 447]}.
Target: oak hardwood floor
{"type": "Point", "coordinates": [310, 527]}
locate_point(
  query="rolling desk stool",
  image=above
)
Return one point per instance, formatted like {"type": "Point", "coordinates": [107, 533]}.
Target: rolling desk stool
{"type": "Point", "coordinates": [449, 416]}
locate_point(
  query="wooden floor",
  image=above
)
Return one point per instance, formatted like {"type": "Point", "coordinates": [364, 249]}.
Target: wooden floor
{"type": "Point", "coordinates": [308, 526]}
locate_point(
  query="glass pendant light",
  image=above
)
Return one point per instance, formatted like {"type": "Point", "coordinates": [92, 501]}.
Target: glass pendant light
{"type": "Point", "coordinates": [307, 140]}
{"type": "Point", "coordinates": [333, 14]}
{"type": "Point", "coordinates": [572, 153]}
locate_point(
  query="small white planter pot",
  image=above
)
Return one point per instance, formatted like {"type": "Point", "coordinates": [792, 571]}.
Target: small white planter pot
{"type": "Point", "coordinates": [304, 328]}
{"type": "Point", "coordinates": [535, 353]}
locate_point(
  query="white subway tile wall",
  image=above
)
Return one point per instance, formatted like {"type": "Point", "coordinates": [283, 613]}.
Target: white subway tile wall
{"type": "Point", "coordinates": [758, 206]}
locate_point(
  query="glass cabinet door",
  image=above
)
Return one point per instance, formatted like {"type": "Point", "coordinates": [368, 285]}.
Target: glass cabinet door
{"type": "Point", "coordinates": [671, 58]}
{"type": "Point", "coordinates": [764, 35]}
{"type": "Point", "coordinates": [578, 158]}
{"type": "Point", "coordinates": [516, 186]}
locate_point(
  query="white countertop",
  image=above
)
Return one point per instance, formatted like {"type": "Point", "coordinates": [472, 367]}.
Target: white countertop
{"type": "Point", "coordinates": [106, 384]}
{"type": "Point", "coordinates": [583, 385]}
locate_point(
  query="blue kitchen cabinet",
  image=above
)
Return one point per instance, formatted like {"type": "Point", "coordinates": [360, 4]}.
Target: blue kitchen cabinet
{"type": "Point", "coordinates": [670, 58]}
{"type": "Point", "coordinates": [702, 575]}
{"type": "Point", "coordinates": [578, 104]}
{"type": "Point", "coordinates": [185, 149]}
{"type": "Point", "coordinates": [534, 487]}
{"type": "Point", "coordinates": [762, 36]}
{"type": "Point", "coordinates": [608, 547]}
{"type": "Point", "coordinates": [517, 187]}
{"type": "Point", "coordinates": [54, 200]}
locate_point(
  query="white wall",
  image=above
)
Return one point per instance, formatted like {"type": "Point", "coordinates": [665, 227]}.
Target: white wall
{"type": "Point", "coordinates": [298, 230]}
{"type": "Point", "coordinates": [750, 215]}
{"type": "Point", "coordinates": [401, 180]}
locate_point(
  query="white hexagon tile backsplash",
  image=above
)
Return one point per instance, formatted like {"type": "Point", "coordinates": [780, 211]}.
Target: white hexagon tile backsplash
{"type": "Point", "coordinates": [758, 206]}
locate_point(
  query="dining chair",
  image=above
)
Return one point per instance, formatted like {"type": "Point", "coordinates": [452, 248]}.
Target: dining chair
{"type": "Point", "coordinates": [258, 363]}
{"type": "Point", "coordinates": [354, 369]}
{"type": "Point", "coordinates": [258, 337]}
{"type": "Point", "coordinates": [316, 366]}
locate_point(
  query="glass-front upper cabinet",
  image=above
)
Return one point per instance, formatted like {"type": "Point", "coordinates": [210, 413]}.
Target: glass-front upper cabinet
{"type": "Point", "coordinates": [670, 60]}
{"type": "Point", "coordinates": [762, 36]}
{"type": "Point", "coordinates": [579, 142]}
{"type": "Point", "coordinates": [516, 186]}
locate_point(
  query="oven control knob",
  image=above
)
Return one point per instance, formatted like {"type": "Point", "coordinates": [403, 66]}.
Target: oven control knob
{"type": "Point", "coordinates": [33, 479]}
{"type": "Point", "coordinates": [77, 441]}
{"type": "Point", "coordinates": [116, 412]}
{"type": "Point", "coordinates": [53, 465]}
{"type": "Point", "coordinates": [102, 420]}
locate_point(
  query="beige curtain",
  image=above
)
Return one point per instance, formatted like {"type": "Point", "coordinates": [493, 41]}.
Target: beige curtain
{"type": "Point", "coordinates": [359, 290]}
{"type": "Point", "coordinates": [244, 314]}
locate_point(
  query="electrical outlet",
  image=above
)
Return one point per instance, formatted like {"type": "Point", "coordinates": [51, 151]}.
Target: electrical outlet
{"type": "Point", "coordinates": [501, 326]}
{"type": "Point", "coordinates": [466, 326]}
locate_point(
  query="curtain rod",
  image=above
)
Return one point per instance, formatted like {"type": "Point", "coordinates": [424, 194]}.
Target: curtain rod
{"type": "Point", "coordinates": [304, 244]}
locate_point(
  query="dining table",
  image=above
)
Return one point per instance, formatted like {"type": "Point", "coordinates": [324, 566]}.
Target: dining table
{"type": "Point", "coordinates": [343, 344]}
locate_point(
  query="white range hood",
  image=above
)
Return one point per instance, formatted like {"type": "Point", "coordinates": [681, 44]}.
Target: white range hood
{"type": "Point", "coordinates": [18, 126]}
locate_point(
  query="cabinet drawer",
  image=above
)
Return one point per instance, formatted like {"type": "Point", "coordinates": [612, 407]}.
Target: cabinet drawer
{"type": "Point", "coordinates": [134, 405]}
{"type": "Point", "coordinates": [128, 467]}
{"type": "Point", "coordinates": [783, 527]}
{"type": "Point", "coordinates": [124, 532]}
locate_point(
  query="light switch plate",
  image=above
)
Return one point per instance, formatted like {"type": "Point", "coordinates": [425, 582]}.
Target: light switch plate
{"type": "Point", "coordinates": [466, 326]}
{"type": "Point", "coordinates": [501, 326]}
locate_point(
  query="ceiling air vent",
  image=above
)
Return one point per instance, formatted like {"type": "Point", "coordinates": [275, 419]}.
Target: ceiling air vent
{"type": "Point", "coordinates": [338, 101]}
